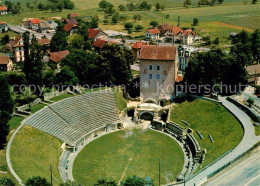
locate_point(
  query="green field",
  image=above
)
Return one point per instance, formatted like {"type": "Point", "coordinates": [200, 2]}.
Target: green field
{"type": "Point", "coordinates": [33, 151]}
{"type": "Point", "coordinates": [115, 157]}
{"type": "Point", "coordinates": [14, 122]}
{"type": "Point", "coordinates": [209, 118]}
{"type": "Point", "coordinates": [120, 101]}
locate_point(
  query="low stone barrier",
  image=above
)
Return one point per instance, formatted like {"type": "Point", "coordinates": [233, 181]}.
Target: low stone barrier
{"type": "Point", "coordinates": [50, 95]}
{"type": "Point", "coordinates": [24, 108]}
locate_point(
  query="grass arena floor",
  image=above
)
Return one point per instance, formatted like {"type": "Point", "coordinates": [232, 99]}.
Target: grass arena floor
{"type": "Point", "coordinates": [209, 118]}
{"type": "Point", "coordinates": [118, 155]}
{"type": "Point", "coordinates": [33, 151]}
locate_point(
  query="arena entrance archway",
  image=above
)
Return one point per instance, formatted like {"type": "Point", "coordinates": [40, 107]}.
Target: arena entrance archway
{"type": "Point", "coordinates": [147, 116]}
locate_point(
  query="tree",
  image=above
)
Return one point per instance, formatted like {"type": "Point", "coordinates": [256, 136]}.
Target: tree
{"type": "Point", "coordinates": [138, 28]}
{"type": "Point", "coordinates": [157, 6]}
{"type": "Point", "coordinates": [103, 182]}
{"type": "Point", "coordinates": [70, 183]}
{"type": "Point", "coordinates": [6, 182]}
{"type": "Point", "coordinates": [167, 16]}
{"type": "Point", "coordinates": [220, 1]}
{"type": "Point", "coordinates": [59, 40]}
{"type": "Point", "coordinates": [68, 4]}
{"type": "Point", "coordinates": [49, 78]}
{"type": "Point", "coordinates": [145, 6]}
{"type": "Point", "coordinates": [77, 41]}
{"type": "Point", "coordinates": [137, 17]}
{"type": "Point", "coordinates": [216, 41]}
{"type": "Point", "coordinates": [135, 180]}
{"type": "Point", "coordinates": [254, 1]}
{"type": "Point", "coordinates": [105, 21]}
{"type": "Point", "coordinates": [122, 8]}
{"type": "Point", "coordinates": [250, 101]}
{"type": "Point", "coordinates": [6, 109]}
{"type": "Point", "coordinates": [115, 18]}
{"type": "Point", "coordinates": [123, 18]}
{"type": "Point", "coordinates": [187, 3]}
{"type": "Point", "coordinates": [53, 7]}
{"type": "Point", "coordinates": [154, 24]}
{"type": "Point", "coordinates": [60, 5]}
{"type": "Point", "coordinates": [5, 39]}
{"type": "Point", "coordinates": [66, 77]}
{"type": "Point", "coordinates": [33, 65]}
{"type": "Point", "coordinates": [130, 6]}
{"type": "Point", "coordinates": [195, 21]}
{"type": "Point", "coordinates": [37, 181]}
{"type": "Point", "coordinates": [255, 45]}
{"type": "Point", "coordinates": [103, 4]}
{"type": "Point", "coordinates": [128, 26]}
{"type": "Point", "coordinates": [206, 40]}
{"type": "Point", "coordinates": [47, 7]}
{"type": "Point", "coordinates": [94, 22]}
{"type": "Point", "coordinates": [110, 9]}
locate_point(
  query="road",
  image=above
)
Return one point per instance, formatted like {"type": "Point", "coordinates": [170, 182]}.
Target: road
{"type": "Point", "coordinates": [245, 173]}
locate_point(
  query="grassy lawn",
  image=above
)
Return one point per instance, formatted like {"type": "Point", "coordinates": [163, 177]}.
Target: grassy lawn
{"type": "Point", "coordinates": [257, 131]}
{"type": "Point", "coordinates": [61, 97]}
{"type": "Point", "coordinates": [35, 108]}
{"type": "Point", "coordinates": [114, 156]}
{"type": "Point", "coordinates": [33, 151]}
{"type": "Point", "coordinates": [14, 122]}
{"type": "Point", "coordinates": [134, 72]}
{"type": "Point", "coordinates": [209, 118]}
{"type": "Point", "coordinates": [120, 101]}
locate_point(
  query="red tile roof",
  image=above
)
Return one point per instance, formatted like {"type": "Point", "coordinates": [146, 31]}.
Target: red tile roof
{"type": "Point", "coordinates": [153, 31]}
{"type": "Point", "coordinates": [69, 26]}
{"type": "Point", "coordinates": [92, 32]}
{"type": "Point", "coordinates": [165, 27]}
{"type": "Point", "coordinates": [2, 23]}
{"type": "Point", "coordinates": [74, 21]}
{"type": "Point", "coordinates": [58, 56]}
{"type": "Point", "coordinates": [99, 43]}
{"type": "Point", "coordinates": [139, 44]}
{"type": "Point", "coordinates": [44, 41]}
{"type": "Point", "coordinates": [15, 42]}
{"type": "Point", "coordinates": [4, 60]}
{"type": "Point", "coordinates": [176, 30]}
{"type": "Point", "coordinates": [3, 8]}
{"type": "Point", "coordinates": [73, 15]}
{"type": "Point", "coordinates": [179, 79]}
{"type": "Point", "coordinates": [34, 21]}
{"type": "Point", "coordinates": [156, 52]}
{"type": "Point", "coordinates": [188, 32]}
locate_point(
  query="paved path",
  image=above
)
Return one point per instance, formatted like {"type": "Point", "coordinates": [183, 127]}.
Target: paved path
{"type": "Point", "coordinates": [247, 142]}
{"type": "Point", "coordinates": [244, 173]}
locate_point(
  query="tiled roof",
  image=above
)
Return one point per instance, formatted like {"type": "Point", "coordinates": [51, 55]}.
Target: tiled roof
{"type": "Point", "coordinates": [2, 23]}
{"type": "Point", "coordinates": [176, 30]}
{"type": "Point", "coordinates": [73, 21]}
{"type": "Point", "coordinates": [139, 44]}
{"type": "Point", "coordinates": [3, 8]}
{"type": "Point", "coordinates": [35, 21]}
{"type": "Point", "coordinates": [156, 52]}
{"type": "Point", "coordinates": [165, 27]}
{"type": "Point", "coordinates": [153, 31]}
{"type": "Point", "coordinates": [253, 69]}
{"type": "Point", "coordinates": [99, 43]}
{"type": "Point", "coordinates": [45, 24]}
{"type": "Point", "coordinates": [44, 41]}
{"type": "Point", "coordinates": [4, 60]}
{"type": "Point", "coordinates": [179, 79]}
{"type": "Point", "coordinates": [72, 15]}
{"type": "Point", "coordinates": [58, 56]}
{"type": "Point", "coordinates": [92, 33]}
{"type": "Point", "coordinates": [188, 32]}
{"type": "Point", "coordinates": [15, 42]}
{"type": "Point", "coordinates": [69, 26]}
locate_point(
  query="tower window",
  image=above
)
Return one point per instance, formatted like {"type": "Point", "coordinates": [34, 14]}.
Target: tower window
{"type": "Point", "coordinates": [150, 76]}
{"type": "Point", "coordinates": [158, 76]}
{"type": "Point", "coordinates": [150, 67]}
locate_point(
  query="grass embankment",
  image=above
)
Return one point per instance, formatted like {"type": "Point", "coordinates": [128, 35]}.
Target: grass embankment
{"type": "Point", "coordinates": [120, 101]}
{"type": "Point", "coordinates": [213, 119]}
{"type": "Point", "coordinates": [257, 131]}
{"type": "Point", "coordinates": [114, 156]}
{"type": "Point", "coordinates": [33, 151]}
{"type": "Point", "coordinates": [61, 97]}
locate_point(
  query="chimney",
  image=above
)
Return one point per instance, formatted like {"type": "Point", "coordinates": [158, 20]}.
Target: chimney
{"type": "Point", "coordinates": [179, 21]}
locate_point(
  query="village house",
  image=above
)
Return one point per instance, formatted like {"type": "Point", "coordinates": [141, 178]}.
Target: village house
{"type": "Point", "coordinates": [72, 20]}
{"type": "Point", "coordinates": [71, 28]}
{"type": "Point", "coordinates": [17, 48]}
{"type": "Point", "coordinates": [136, 47]}
{"type": "Point", "coordinates": [3, 27]}
{"type": "Point", "coordinates": [33, 24]}
{"type": "Point", "coordinates": [188, 37]}
{"type": "Point", "coordinates": [254, 74]}
{"type": "Point", "coordinates": [158, 71]}
{"type": "Point", "coordinates": [164, 28]}
{"type": "Point", "coordinates": [152, 34]}
{"type": "Point", "coordinates": [3, 10]}
{"type": "Point", "coordinates": [44, 42]}
{"type": "Point", "coordinates": [73, 15]}
{"type": "Point", "coordinates": [56, 58]}
{"type": "Point", "coordinates": [44, 26]}
{"type": "Point", "coordinates": [176, 34]}
{"type": "Point", "coordinates": [99, 43]}
{"type": "Point", "coordinates": [6, 64]}
{"type": "Point", "coordinates": [95, 34]}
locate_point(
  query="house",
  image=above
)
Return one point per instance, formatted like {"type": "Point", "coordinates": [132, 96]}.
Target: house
{"type": "Point", "coordinates": [175, 34]}
{"type": "Point", "coordinates": [73, 15]}
{"type": "Point", "coordinates": [158, 71]}
{"type": "Point", "coordinates": [33, 24]}
{"type": "Point", "coordinates": [74, 21]}
{"type": "Point", "coordinates": [188, 37]}
{"type": "Point", "coordinates": [6, 64]}
{"type": "Point", "coordinates": [3, 10]}
{"type": "Point", "coordinates": [136, 47]}
{"type": "Point", "coordinates": [164, 28]}
{"type": "Point", "coordinates": [184, 54]}
{"type": "Point", "coordinates": [3, 27]}
{"type": "Point", "coordinates": [152, 34]}
{"type": "Point", "coordinates": [70, 28]}
{"type": "Point", "coordinates": [44, 26]}
{"type": "Point", "coordinates": [94, 34]}
{"type": "Point", "coordinates": [56, 58]}
{"type": "Point", "coordinates": [17, 48]}
{"type": "Point", "coordinates": [99, 43]}
{"type": "Point", "coordinates": [44, 42]}
{"type": "Point", "coordinates": [254, 74]}
{"type": "Point", "coordinates": [53, 25]}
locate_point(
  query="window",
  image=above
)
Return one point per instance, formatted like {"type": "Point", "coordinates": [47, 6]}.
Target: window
{"type": "Point", "coordinates": [158, 76]}
{"type": "Point", "coordinates": [150, 67]}
{"type": "Point", "coordinates": [158, 67]}
{"type": "Point", "coordinates": [150, 76]}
